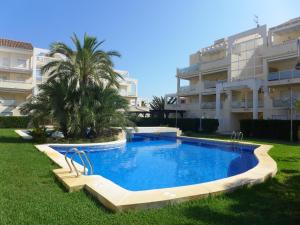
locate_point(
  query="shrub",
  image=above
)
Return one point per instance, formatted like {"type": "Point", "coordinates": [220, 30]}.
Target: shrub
{"type": "Point", "coordinates": [209, 125]}
{"type": "Point", "coordinates": [185, 124]}
{"type": "Point", "coordinates": [269, 129]}
{"type": "Point", "coordinates": [39, 134]}
{"type": "Point", "coordinates": [14, 121]}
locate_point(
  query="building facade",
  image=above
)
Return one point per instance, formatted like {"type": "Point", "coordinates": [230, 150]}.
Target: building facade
{"type": "Point", "coordinates": [249, 75]}
{"type": "Point", "coordinates": [20, 75]}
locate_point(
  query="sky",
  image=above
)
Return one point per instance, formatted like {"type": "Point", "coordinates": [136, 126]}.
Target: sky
{"type": "Point", "coordinates": [154, 37]}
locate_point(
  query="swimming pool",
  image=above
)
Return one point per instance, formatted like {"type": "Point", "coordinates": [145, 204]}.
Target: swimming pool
{"type": "Point", "coordinates": [148, 162]}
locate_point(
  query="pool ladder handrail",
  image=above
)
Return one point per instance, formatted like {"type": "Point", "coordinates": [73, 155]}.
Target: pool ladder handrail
{"type": "Point", "coordinates": [237, 136]}
{"type": "Point", "coordinates": [75, 151]}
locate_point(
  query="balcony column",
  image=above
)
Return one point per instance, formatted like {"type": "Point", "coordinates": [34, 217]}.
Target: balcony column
{"type": "Point", "coordinates": [246, 99]}
{"type": "Point", "coordinates": [178, 87]}
{"type": "Point", "coordinates": [255, 102]}
{"type": "Point", "coordinates": [218, 102]}
{"type": "Point", "coordinates": [33, 63]}
{"type": "Point", "coordinates": [267, 103]}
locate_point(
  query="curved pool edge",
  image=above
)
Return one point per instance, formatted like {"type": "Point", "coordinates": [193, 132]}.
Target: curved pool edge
{"type": "Point", "coordinates": [119, 199]}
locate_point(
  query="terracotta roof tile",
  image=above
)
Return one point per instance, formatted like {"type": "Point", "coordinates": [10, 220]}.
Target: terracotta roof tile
{"type": "Point", "coordinates": [15, 44]}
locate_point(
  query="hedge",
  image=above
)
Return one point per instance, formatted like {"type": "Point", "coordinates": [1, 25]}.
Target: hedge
{"type": "Point", "coordinates": [209, 125]}
{"type": "Point", "coordinates": [270, 129]}
{"type": "Point", "coordinates": [185, 124]}
{"type": "Point", "coordinates": [14, 121]}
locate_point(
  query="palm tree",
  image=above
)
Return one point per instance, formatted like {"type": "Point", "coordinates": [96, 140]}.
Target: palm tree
{"type": "Point", "coordinates": [85, 65]}
{"type": "Point", "coordinates": [81, 90]}
{"type": "Point", "coordinates": [158, 105]}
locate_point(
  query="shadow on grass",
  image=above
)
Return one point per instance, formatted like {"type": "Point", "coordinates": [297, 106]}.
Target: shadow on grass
{"type": "Point", "coordinates": [13, 140]}
{"type": "Point", "coordinates": [269, 203]}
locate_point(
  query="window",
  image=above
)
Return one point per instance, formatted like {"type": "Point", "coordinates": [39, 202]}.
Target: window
{"type": "Point", "coordinates": [21, 63]}
{"type": "Point", "coordinates": [5, 61]}
{"type": "Point", "coordinates": [132, 89]}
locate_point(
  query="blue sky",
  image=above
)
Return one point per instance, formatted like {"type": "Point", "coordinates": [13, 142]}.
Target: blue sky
{"type": "Point", "coordinates": [153, 36]}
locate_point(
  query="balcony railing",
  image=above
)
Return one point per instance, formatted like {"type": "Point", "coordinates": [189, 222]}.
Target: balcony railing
{"type": "Point", "coordinates": [212, 83]}
{"type": "Point", "coordinates": [215, 64]}
{"type": "Point", "coordinates": [193, 69]}
{"type": "Point", "coordinates": [44, 59]}
{"type": "Point", "coordinates": [15, 68]}
{"type": "Point", "coordinates": [284, 103]}
{"type": "Point", "coordinates": [243, 104]}
{"type": "Point", "coordinates": [208, 105]}
{"type": "Point", "coordinates": [8, 102]}
{"type": "Point", "coordinates": [190, 89]}
{"type": "Point", "coordinates": [15, 84]}
{"type": "Point", "coordinates": [288, 47]}
{"type": "Point", "coordinates": [285, 74]}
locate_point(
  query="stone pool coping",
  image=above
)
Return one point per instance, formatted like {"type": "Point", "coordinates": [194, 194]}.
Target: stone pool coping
{"type": "Point", "coordinates": [118, 199]}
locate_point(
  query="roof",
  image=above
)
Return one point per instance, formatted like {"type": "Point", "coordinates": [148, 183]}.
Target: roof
{"type": "Point", "coordinates": [15, 44]}
{"type": "Point", "coordinates": [287, 23]}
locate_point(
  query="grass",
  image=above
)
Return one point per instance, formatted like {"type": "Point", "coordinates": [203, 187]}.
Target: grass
{"type": "Point", "coordinates": [29, 194]}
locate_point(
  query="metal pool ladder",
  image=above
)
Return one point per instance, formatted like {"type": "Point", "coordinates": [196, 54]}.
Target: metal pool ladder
{"type": "Point", "coordinates": [236, 136]}
{"type": "Point", "coordinates": [75, 151]}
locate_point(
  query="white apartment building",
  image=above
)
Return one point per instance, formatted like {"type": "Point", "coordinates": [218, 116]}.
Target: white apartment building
{"type": "Point", "coordinates": [249, 75]}
{"type": "Point", "coordinates": [20, 75]}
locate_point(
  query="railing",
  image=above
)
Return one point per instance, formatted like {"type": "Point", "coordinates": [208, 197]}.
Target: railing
{"type": "Point", "coordinates": [212, 83]}
{"type": "Point", "coordinates": [214, 64]}
{"type": "Point", "coordinates": [44, 59]}
{"type": "Point", "coordinates": [19, 68]}
{"type": "Point", "coordinates": [73, 152]}
{"type": "Point", "coordinates": [189, 89]}
{"type": "Point", "coordinates": [15, 84]}
{"type": "Point", "coordinates": [243, 104]}
{"type": "Point", "coordinates": [182, 106]}
{"type": "Point", "coordinates": [208, 105]}
{"type": "Point", "coordinates": [284, 103]}
{"type": "Point", "coordinates": [285, 74]}
{"type": "Point", "coordinates": [8, 102]}
{"type": "Point", "coordinates": [189, 70]}
{"type": "Point", "coordinates": [287, 47]}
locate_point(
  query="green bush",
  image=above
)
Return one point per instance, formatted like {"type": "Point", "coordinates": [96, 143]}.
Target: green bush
{"type": "Point", "coordinates": [185, 124]}
{"type": "Point", "coordinates": [209, 125]}
{"type": "Point", "coordinates": [14, 121]}
{"type": "Point", "coordinates": [39, 134]}
{"type": "Point", "coordinates": [270, 129]}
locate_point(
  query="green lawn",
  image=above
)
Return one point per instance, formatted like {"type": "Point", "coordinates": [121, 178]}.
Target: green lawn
{"type": "Point", "coordinates": [29, 194]}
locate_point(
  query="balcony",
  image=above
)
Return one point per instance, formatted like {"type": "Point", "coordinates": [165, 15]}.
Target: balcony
{"type": "Point", "coordinates": [175, 106]}
{"type": "Point", "coordinates": [8, 102]}
{"type": "Point", "coordinates": [126, 93]}
{"type": "Point", "coordinates": [43, 60]}
{"type": "Point", "coordinates": [284, 103]}
{"type": "Point", "coordinates": [16, 85]}
{"type": "Point", "coordinates": [189, 90]}
{"type": "Point", "coordinates": [189, 71]}
{"type": "Point", "coordinates": [215, 65]}
{"type": "Point", "coordinates": [245, 104]}
{"type": "Point", "coordinates": [17, 69]}
{"type": "Point", "coordinates": [183, 106]}
{"type": "Point", "coordinates": [207, 84]}
{"type": "Point", "coordinates": [208, 105]}
{"type": "Point", "coordinates": [282, 75]}
{"type": "Point", "coordinates": [286, 48]}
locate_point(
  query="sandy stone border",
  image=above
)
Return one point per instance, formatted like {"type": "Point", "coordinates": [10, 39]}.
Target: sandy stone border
{"type": "Point", "coordinates": [119, 199]}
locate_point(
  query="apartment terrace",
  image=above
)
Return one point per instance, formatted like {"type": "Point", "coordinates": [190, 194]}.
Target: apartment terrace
{"type": "Point", "coordinates": [15, 85]}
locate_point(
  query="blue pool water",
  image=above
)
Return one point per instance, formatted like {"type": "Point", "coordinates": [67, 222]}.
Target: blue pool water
{"type": "Point", "coordinates": [152, 162]}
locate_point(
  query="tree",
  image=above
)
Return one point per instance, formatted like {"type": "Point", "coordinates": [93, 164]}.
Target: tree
{"type": "Point", "coordinates": [298, 104]}
{"type": "Point", "coordinates": [81, 92]}
{"type": "Point", "coordinates": [158, 104]}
